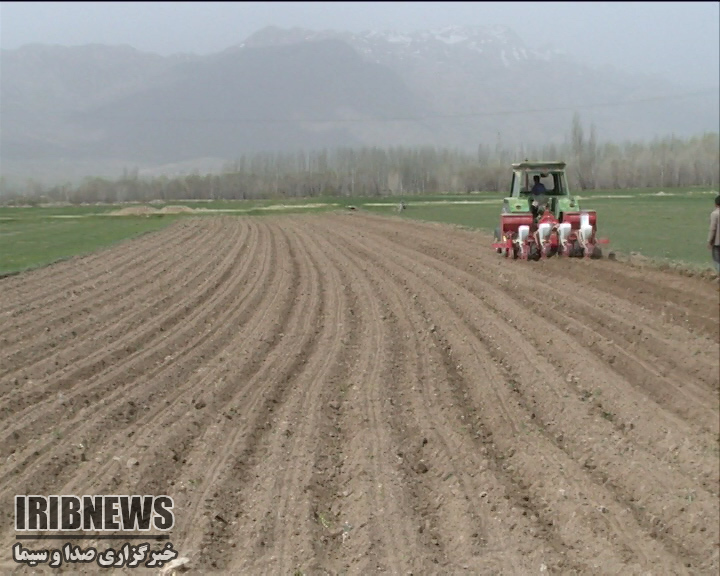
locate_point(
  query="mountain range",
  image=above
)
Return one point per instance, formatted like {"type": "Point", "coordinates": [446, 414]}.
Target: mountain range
{"type": "Point", "coordinates": [95, 109]}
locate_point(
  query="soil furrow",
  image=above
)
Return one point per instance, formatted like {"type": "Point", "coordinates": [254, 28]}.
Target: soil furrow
{"type": "Point", "coordinates": [93, 319]}
{"type": "Point", "coordinates": [54, 283]}
{"type": "Point", "coordinates": [141, 367]}
{"type": "Point", "coordinates": [360, 530]}
{"type": "Point", "coordinates": [651, 301]}
{"type": "Point", "coordinates": [209, 386]}
{"type": "Point", "coordinates": [258, 404]}
{"type": "Point", "coordinates": [286, 519]}
{"type": "Point", "coordinates": [583, 339]}
{"type": "Point", "coordinates": [459, 511]}
{"type": "Point", "coordinates": [643, 546]}
{"type": "Point", "coordinates": [654, 515]}
{"type": "Point", "coordinates": [142, 346]}
{"type": "Point", "coordinates": [350, 394]}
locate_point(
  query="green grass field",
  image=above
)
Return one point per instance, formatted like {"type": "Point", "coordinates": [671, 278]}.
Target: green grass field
{"type": "Point", "coordinates": [668, 227]}
{"type": "Point", "coordinates": [29, 240]}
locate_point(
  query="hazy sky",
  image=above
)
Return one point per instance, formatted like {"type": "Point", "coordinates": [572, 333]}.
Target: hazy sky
{"type": "Point", "coordinates": [678, 40]}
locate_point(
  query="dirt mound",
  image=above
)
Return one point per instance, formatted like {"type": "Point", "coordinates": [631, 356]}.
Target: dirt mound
{"type": "Point", "coordinates": [134, 211]}
{"type": "Point", "coordinates": [148, 210]}
{"type": "Point", "coordinates": [366, 394]}
{"type": "Point", "coordinates": [176, 210]}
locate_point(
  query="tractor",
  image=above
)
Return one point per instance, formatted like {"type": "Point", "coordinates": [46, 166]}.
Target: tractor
{"type": "Point", "coordinates": [540, 218]}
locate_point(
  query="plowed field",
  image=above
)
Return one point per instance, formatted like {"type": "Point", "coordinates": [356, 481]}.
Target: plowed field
{"type": "Point", "coordinates": [349, 393]}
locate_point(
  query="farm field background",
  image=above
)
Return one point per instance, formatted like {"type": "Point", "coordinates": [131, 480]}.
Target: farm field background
{"type": "Point", "coordinates": [344, 392]}
{"type": "Point", "coordinates": [665, 225]}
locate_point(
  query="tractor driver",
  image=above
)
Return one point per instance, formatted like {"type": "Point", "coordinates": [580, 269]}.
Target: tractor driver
{"type": "Point", "coordinates": [538, 190]}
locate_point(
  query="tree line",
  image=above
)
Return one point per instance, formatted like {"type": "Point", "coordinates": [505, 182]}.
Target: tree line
{"type": "Point", "coordinates": [406, 171]}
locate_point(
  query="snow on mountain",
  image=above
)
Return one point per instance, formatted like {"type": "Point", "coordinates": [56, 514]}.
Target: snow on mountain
{"type": "Point", "coordinates": [497, 43]}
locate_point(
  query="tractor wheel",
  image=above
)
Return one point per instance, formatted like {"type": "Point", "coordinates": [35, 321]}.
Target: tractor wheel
{"type": "Point", "coordinates": [497, 239]}
{"type": "Point", "coordinates": [577, 251]}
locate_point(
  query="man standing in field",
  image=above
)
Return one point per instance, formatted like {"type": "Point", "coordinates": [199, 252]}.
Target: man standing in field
{"type": "Point", "coordinates": [714, 235]}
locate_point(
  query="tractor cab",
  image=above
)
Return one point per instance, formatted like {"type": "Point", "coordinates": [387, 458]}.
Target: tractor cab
{"type": "Point", "coordinates": [541, 217]}
{"type": "Point", "coordinates": [555, 195]}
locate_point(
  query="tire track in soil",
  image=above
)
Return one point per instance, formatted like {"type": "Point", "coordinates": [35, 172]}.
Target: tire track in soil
{"type": "Point", "coordinates": [39, 340]}
{"type": "Point", "coordinates": [459, 532]}
{"type": "Point", "coordinates": [710, 466]}
{"type": "Point", "coordinates": [648, 545]}
{"type": "Point", "coordinates": [626, 495]}
{"type": "Point", "coordinates": [665, 352]}
{"type": "Point", "coordinates": [82, 476]}
{"type": "Point", "coordinates": [450, 363]}
{"type": "Point", "coordinates": [49, 296]}
{"type": "Point", "coordinates": [60, 348]}
{"type": "Point", "coordinates": [329, 458]}
{"type": "Point", "coordinates": [65, 456]}
{"type": "Point", "coordinates": [656, 352]}
{"type": "Point", "coordinates": [118, 378]}
{"type": "Point", "coordinates": [455, 243]}
{"type": "Point", "coordinates": [53, 280]}
{"type": "Point", "coordinates": [637, 287]}
{"type": "Point", "coordinates": [225, 434]}
{"type": "Point", "coordinates": [494, 484]}
{"type": "Point", "coordinates": [593, 391]}
{"type": "Point", "coordinates": [658, 345]}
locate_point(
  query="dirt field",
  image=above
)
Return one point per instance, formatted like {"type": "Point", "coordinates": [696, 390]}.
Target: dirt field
{"type": "Point", "coordinates": [348, 393]}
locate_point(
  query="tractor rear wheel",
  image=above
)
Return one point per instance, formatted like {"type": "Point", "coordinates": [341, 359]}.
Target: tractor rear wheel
{"type": "Point", "coordinates": [497, 238]}
{"type": "Point", "coordinates": [577, 251]}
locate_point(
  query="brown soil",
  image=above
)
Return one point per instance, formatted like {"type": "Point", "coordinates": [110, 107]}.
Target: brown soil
{"type": "Point", "coordinates": [348, 393]}
{"type": "Point", "coordinates": [134, 211]}
{"type": "Point", "coordinates": [176, 210]}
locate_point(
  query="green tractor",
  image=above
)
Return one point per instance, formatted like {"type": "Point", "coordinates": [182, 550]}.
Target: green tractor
{"type": "Point", "coordinates": [540, 218]}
